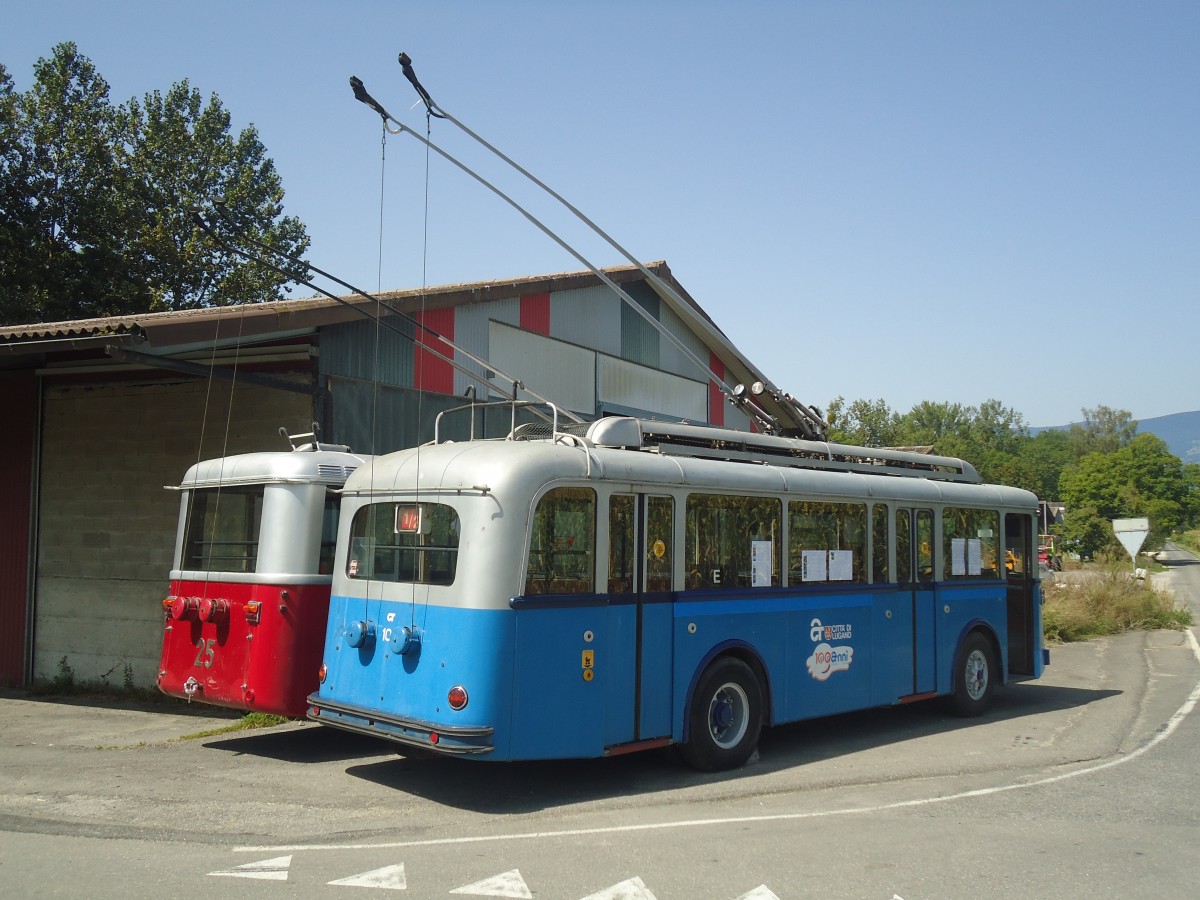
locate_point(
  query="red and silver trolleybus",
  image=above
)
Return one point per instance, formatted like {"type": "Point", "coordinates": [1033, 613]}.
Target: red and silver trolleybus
{"type": "Point", "coordinates": [244, 624]}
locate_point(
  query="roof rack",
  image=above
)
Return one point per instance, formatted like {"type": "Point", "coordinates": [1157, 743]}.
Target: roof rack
{"type": "Point", "coordinates": [705, 442]}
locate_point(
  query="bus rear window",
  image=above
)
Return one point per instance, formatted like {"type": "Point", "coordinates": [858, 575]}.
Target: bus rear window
{"type": "Point", "coordinates": [222, 529]}
{"type": "Point", "coordinates": [385, 547]}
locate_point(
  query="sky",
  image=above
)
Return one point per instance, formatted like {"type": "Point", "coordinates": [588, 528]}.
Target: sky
{"type": "Point", "coordinates": [907, 200]}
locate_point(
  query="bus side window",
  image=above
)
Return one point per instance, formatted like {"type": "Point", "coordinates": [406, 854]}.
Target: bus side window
{"type": "Point", "coordinates": [826, 541]}
{"type": "Point", "coordinates": [329, 524]}
{"type": "Point", "coordinates": [621, 545]}
{"type": "Point", "coordinates": [879, 544]}
{"type": "Point", "coordinates": [925, 546]}
{"type": "Point", "coordinates": [904, 546]}
{"type": "Point", "coordinates": [660, 540]}
{"type": "Point", "coordinates": [720, 531]}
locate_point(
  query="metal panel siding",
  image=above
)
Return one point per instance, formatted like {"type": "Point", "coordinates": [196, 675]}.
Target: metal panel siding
{"type": "Point", "coordinates": [670, 357]}
{"type": "Point", "coordinates": [639, 338]}
{"type": "Point", "coordinates": [471, 324]}
{"type": "Point", "coordinates": [559, 371]}
{"type": "Point", "coordinates": [587, 316]}
{"type": "Point", "coordinates": [626, 384]}
{"type": "Point", "coordinates": [349, 350]}
{"type": "Point", "coordinates": [20, 394]}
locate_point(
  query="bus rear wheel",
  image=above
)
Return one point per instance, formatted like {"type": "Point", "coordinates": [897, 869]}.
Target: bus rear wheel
{"type": "Point", "coordinates": [974, 676]}
{"type": "Point", "coordinates": [725, 717]}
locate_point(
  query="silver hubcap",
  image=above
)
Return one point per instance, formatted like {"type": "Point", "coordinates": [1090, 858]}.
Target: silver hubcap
{"type": "Point", "coordinates": [728, 715]}
{"type": "Point", "coordinates": [977, 674]}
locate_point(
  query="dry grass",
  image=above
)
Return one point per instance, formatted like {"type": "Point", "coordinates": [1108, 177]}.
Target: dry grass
{"type": "Point", "coordinates": [1106, 599]}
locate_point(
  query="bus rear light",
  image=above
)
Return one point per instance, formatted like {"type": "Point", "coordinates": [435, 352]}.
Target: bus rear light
{"type": "Point", "coordinates": [322, 672]}
{"type": "Point", "coordinates": [253, 611]}
{"type": "Point", "coordinates": [457, 698]}
{"type": "Point", "coordinates": [433, 737]}
{"type": "Point", "coordinates": [214, 609]}
{"type": "Point", "coordinates": [183, 607]}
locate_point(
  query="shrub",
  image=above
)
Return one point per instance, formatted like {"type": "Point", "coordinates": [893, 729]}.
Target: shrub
{"type": "Point", "coordinates": [1109, 601]}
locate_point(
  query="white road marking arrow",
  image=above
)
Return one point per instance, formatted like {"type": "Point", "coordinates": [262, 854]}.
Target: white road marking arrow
{"type": "Point", "coordinates": [762, 892]}
{"type": "Point", "coordinates": [506, 884]}
{"type": "Point", "coordinates": [633, 889]}
{"type": "Point", "coordinates": [389, 878]}
{"type": "Point", "coordinates": [268, 869]}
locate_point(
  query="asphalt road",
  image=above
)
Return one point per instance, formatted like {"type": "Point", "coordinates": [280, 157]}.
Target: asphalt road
{"type": "Point", "coordinates": [1080, 785]}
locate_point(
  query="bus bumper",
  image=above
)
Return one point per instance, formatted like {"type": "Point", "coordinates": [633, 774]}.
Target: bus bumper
{"type": "Point", "coordinates": [452, 740]}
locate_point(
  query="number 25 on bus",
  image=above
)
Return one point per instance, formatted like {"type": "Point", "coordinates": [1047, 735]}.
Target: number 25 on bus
{"type": "Point", "coordinates": [626, 584]}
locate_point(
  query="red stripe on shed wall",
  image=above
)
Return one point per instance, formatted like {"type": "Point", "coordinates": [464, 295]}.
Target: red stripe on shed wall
{"type": "Point", "coordinates": [535, 313]}
{"type": "Point", "coordinates": [16, 495]}
{"type": "Point", "coordinates": [429, 372]}
{"type": "Point", "coordinates": [716, 400]}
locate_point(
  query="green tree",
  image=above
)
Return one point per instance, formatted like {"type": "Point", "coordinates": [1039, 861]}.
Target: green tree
{"type": "Point", "coordinates": [182, 156]}
{"type": "Point", "coordinates": [61, 208]}
{"type": "Point", "coordinates": [865, 423]}
{"type": "Point", "coordinates": [1142, 478]}
{"type": "Point", "coordinates": [1047, 453]}
{"type": "Point", "coordinates": [95, 200]}
{"type": "Point", "coordinates": [1103, 430]}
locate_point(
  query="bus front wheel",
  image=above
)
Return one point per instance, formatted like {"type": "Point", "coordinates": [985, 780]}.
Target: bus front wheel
{"type": "Point", "coordinates": [974, 676]}
{"type": "Point", "coordinates": [725, 717]}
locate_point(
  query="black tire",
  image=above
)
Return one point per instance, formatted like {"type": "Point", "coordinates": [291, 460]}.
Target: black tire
{"type": "Point", "coordinates": [725, 717]}
{"type": "Point", "coordinates": [975, 676]}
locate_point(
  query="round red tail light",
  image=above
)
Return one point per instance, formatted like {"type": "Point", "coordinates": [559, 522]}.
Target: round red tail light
{"type": "Point", "coordinates": [457, 698]}
{"type": "Point", "coordinates": [322, 672]}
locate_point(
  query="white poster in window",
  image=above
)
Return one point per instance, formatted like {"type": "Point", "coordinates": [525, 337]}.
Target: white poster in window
{"type": "Point", "coordinates": [974, 556]}
{"type": "Point", "coordinates": [841, 565]}
{"type": "Point", "coordinates": [814, 565]}
{"type": "Point", "coordinates": [958, 556]}
{"type": "Point", "coordinates": [760, 563]}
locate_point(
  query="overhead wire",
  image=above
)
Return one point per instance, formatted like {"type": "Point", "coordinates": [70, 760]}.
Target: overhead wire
{"type": "Point", "coordinates": [813, 422]}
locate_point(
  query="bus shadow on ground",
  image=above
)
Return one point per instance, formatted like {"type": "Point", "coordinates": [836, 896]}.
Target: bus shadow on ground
{"type": "Point", "coordinates": [525, 787]}
{"type": "Point", "coordinates": [305, 743]}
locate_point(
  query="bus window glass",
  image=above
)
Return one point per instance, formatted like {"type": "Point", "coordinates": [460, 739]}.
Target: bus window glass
{"type": "Point", "coordinates": [924, 546]}
{"type": "Point", "coordinates": [428, 554]}
{"type": "Point", "coordinates": [222, 529]}
{"type": "Point", "coordinates": [826, 541]}
{"type": "Point", "coordinates": [620, 544]}
{"type": "Point", "coordinates": [879, 544]}
{"type": "Point", "coordinates": [563, 545]}
{"type": "Point", "coordinates": [904, 546]}
{"type": "Point", "coordinates": [329, 523]}
{"type": "Point", "coordinates": [970, 542]}
{"type": "Point", "coordinates": [660, 537]}
{"type": "Point", "coordinates": [732, 541]}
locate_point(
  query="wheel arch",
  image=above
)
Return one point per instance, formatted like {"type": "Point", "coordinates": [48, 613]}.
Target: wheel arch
{"type": "Point", "coordinates": [985, 628]}
{"type": "Point", "coordinates": [735, 649]}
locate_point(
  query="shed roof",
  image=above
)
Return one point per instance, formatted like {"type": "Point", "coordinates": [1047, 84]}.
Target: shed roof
{"type": "Point", "coordinates": [22, 345]}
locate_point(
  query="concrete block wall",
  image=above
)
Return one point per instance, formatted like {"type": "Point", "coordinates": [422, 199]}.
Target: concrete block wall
{"type": "Point", "coordinates": [106, 528]}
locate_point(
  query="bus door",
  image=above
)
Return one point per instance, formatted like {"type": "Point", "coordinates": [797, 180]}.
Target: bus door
{"type": "Point", "coordinates": [641, 564]}
{"type": "Point", "coordinates": [914, 570]}
{"type": "Point", "coordinates": [1019, 567]}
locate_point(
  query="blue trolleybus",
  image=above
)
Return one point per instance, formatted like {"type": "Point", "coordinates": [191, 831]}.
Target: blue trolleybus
{"type": "Point", "coordinates": [594, 589]}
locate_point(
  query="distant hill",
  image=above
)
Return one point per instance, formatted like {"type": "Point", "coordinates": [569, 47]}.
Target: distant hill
{"type": "Point", "coordinates": [1180, 431]}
